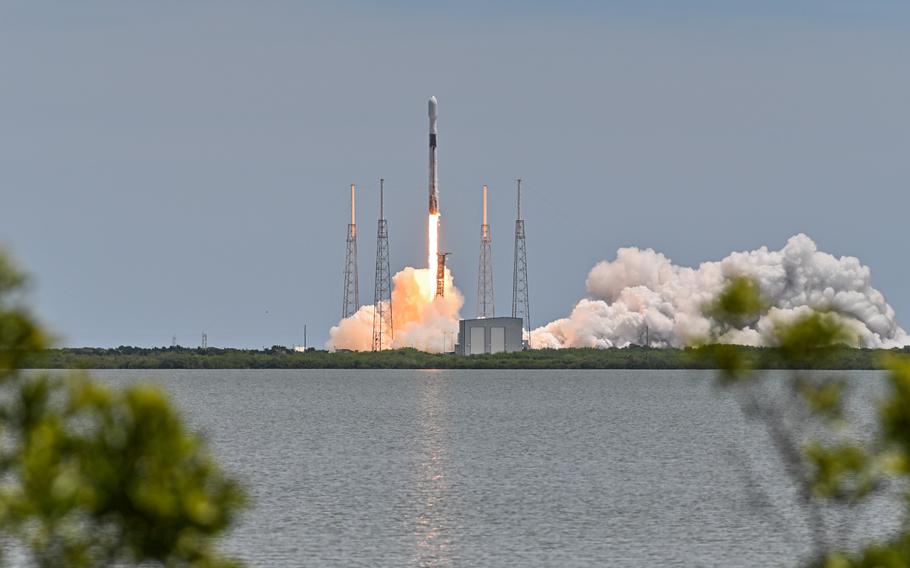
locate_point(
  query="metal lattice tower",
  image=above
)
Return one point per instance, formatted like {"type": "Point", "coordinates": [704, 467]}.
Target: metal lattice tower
{"type": "Point", "coordinates": [351, 282]}
{"type": "Point", "coordinates": [382, 296]}
{"type": "Point", "coordinates": [485, 308]}
{"type": "Point", "coordinates": [520, 304]}
{"type": "Point", "coordinates": [441, 273]}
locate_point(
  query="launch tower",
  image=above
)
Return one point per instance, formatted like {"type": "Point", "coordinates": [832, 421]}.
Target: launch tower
{"type": "Point", "coordinates": [520, 304]}
{"type": "Point", "coordinates": [351, 284]}
{"type": "Point", "coordinates": [382, 296]}
{"type": "Point", "coordinates": [441, 273]}
{"type": "Point", "coordinates": [485, 307]}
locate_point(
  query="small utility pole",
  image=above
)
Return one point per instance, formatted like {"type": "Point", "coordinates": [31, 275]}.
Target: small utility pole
{"type": "Point", "coordinates": [304, 338]}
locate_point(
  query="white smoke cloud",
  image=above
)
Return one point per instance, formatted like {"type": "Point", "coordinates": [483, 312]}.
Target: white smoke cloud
{"type": "Point", "coordinates": [420, 319]}
{"type": "Point", "coordinates": [643, 288]}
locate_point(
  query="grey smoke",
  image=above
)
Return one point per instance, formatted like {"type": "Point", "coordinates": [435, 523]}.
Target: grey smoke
{"type": "Point", "coordinates": [643, 288]}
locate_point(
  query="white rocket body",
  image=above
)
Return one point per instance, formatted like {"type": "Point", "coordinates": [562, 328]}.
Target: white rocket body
{"type": "Point", "coordinates": [434, 181]}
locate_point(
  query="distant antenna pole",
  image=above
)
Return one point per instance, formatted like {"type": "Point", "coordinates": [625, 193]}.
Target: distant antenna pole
{"type": "Point", "coordinates": [382, 296]}
{"type": "Point", "coordinates": [520, 304]}
{"type": "Point", "coordinates": [304, 338]}
{"type": "Point", "coordinates": [205, 340]}
{"type": "Point", "coordinates": [441, 273]}
{"type": "Point", "coordinates": [174, 341]}
{"type": "Point", "coordinates": [351, 283]}
{"type": "Point", "coordinates": [485, 307]}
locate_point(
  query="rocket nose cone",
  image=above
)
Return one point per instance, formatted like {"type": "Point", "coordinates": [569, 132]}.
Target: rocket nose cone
{"type": "Point", "coordinates": [432, 107]}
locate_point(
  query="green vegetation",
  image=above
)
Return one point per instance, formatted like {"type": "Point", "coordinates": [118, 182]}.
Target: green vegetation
{"type": "Point", "coordinates": [91, 476]}
{"type": "Point", "coordinates": [835, 463]}
{"type": "Point", "coordinates": [283, 358]}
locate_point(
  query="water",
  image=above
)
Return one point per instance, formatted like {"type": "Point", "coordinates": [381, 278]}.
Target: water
{"type": "Point", "coordinates": [494, 468]}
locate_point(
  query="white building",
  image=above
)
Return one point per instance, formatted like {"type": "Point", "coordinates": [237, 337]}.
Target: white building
{"type": "Point", "coordinates": [489, 335]}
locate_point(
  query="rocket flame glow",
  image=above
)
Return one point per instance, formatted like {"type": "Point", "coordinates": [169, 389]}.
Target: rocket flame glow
{"type": "Point", "coordinates": [432, 250]}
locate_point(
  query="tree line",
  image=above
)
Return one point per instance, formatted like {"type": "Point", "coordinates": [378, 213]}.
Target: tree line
{"type": "Point", "coordinates": [279, 357]}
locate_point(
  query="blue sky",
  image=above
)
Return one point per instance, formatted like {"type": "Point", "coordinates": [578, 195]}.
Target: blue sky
{"type": "Point", "coordinates": [168, 168]}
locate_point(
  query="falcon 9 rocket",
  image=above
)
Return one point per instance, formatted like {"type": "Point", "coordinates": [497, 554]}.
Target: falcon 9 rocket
{"type": "Point", "coordinates": [434, 187]}
{"type": "Point", "coordinates": [433, 217]}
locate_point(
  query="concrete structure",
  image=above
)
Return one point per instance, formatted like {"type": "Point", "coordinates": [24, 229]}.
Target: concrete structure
{"type": "Point", "coordinates": [489, 335]}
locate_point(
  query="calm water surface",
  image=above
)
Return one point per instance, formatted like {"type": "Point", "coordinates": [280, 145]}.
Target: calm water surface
{"type": "Point", "coordinates": [494, 468]}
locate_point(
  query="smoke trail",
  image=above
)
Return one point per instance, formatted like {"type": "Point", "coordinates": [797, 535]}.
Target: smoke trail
{"type": "Point", "coordinates": [421, 320]}
{"type": "Point", "coordinates": [644, 289]}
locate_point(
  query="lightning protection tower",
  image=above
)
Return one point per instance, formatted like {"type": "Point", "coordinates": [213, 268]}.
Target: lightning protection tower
{"type": "Point", "coordinates": [382, 296]}
{"type": "Point", "coordinates": [520, 304]}
{"type": "Point", "coordinates": [485, 307]}
{"type": "Point", "coordinates": [351, 284]}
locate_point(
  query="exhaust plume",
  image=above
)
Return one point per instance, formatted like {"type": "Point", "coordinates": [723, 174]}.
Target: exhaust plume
{"type": "Point", "coordinates": [422, 321]}
{"type": "Point", "coordinates": [643, 290]}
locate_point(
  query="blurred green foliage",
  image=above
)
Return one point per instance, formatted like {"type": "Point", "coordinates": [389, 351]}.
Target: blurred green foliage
{"type": "Point", "coordinates": [807, 422]}
{"type": "Point", "coordinates": [92, 476]}
{"type": "Point", "coordinates": [739, 305]}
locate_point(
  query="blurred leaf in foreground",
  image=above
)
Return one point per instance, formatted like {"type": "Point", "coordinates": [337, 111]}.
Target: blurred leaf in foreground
{"type": "Point", "coordinates": [93, 476]}
{"type": "Point", "coordinates": [804, 415]}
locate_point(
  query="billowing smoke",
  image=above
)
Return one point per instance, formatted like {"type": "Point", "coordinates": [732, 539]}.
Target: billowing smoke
{"type": "Point", "coordinates": [643, 290]}
{"type": "Point", "coordinates": [421, 320]}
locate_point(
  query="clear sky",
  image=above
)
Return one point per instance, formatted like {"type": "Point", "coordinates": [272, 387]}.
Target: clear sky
{"type": "Point", "coordinates": [173, 167]}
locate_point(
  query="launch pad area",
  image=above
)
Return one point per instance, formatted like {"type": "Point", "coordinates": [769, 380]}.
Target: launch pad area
{"type": "Point", "coordinates": [432, 316]}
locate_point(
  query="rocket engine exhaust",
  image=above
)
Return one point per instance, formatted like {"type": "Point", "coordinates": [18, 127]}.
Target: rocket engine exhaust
{"type": "Point", "coordinates": [642, 297]}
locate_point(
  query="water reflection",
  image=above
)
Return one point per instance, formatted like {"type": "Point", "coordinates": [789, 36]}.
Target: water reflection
{"type": "Point", "coordinates": [433, 503]}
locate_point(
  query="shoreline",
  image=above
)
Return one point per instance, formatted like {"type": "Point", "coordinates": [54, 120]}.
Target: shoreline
{"type": "Point", "coordinates": [633, 357]}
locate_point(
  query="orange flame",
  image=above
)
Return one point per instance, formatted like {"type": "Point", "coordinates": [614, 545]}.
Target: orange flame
{"type": "Point", "coordinates": [422, 320]}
